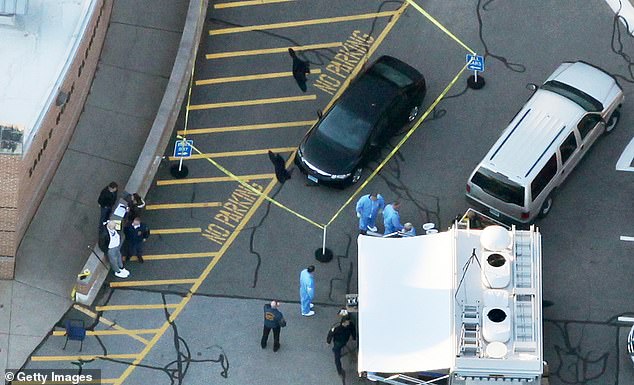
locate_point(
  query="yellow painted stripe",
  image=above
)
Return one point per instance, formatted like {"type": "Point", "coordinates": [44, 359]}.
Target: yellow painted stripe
{"type": "Point", "coordinates": [84, 357]}
{"type": "Point", "coordinates": [247, 3]}
{"type": "Point", "coordinates": [62, 333]}
{"type": "Point", "coordinates": [252, 102]}
{"type": "Point", "coordinates": [182, 230]}
{"type": "Point", "coordinates": [300, 23]}
{"type": "Point", "coordinates": [267, 51]}
{"type": "Point", "coordinates": [211, 180]}
{"type": "Point", "coordinates": [153, 282]}
{"type": "Point", "coordinates": [178, 256]}
{"type": "Point", "coordinates": [237, 153]}
{"type": "Point", "coordinates": [264, 126]}
{"type": "Point", "coordinates": [135, 307]}
{"type": "Point", "coordinates": [167, 206]}
{"type": "Point", "coordinates": [107, 322]}
{"type": "Point", "coordinates": [231, 79]}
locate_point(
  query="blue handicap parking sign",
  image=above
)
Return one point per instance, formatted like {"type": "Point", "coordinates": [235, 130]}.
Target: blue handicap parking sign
{"type": "Point", "coordinates": [475, 62]}
{"type": "Point", "coordinates": [183, 149]}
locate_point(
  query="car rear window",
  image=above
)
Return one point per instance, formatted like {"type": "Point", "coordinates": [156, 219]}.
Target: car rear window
{"type": "Point", "coordinates": [400, 79]}
{"type": "Point", "coordinates": [586, 101]}
{"type": "Point", "coordinates": [505, 191]}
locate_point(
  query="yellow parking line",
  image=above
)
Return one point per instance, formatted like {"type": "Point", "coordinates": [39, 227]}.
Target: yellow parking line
{"type": "Point", "coordinates": [181, 230]}
{"type": "Point", "coordinates": [155, 282]}
{"type": "Point", "coordinates": [167, 206]}
{"type": "Point", "coordinates": [229, 154]}
{"type": "Point", "coordinates": [196, 131]}
{"type": "Point", "coordinates": [62, 333]}
{"type": "Point", "coordinates": [136, 307]}
{"type": "Point", "coordinates": [300, 23]}
{"type": "Point", "coordinates": [266, 51]}
{"type": "Point", "coordinates": [84, 357]}
{"type": "Point", "coordinates": [211, 180]}
{"type": "Point", "coordinates": [107, 322]}
{"type": "Point", "coordinates": [156, 257]}
{"type": "Point", "coordinates": [230, 79]}
{"type": "Point", "coordinates": [247, 3]}
{"type": "Point", "coordinates": [252, 102]}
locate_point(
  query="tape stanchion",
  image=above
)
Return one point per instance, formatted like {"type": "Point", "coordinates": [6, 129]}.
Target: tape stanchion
{"type": "Point", "coordinates": [439, 25]}
{"type": "Point", "coordinates": [256, 191]}
{"type": "Point", "coordinates": [398, 146]}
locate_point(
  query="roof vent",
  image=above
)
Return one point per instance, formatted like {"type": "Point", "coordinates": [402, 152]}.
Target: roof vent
{"type": "Point", "coordinates": [495, 238]}
{"type": "Point", "coordinates": [496, 269]}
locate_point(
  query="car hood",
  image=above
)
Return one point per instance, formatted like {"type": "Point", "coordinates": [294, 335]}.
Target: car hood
{"type": "Point", "coordinates": [328, 156]}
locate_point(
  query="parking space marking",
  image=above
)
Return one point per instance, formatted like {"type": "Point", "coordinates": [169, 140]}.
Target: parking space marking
{"type": "Point", "coordinates": [251, 102]}
{"type": "Point", "coordinates": [62, 333]}
{"type": "Point", "coordinates": [155, 282]}
{"type": "Point", "coordinates": [267, 51]}
{"type": "Point", "coordinates": [247, 3]}
{"type": "Point", "coordinates": [181, 230]}
{"type": "Point", "coordinates": [247, 127]}
{"type": "Point", "coordinates": [107, 322]}
{"type": "Point", "coordinates": [212, 179]}
{"type": "Point", "coordinates": [157, 257]}
{"type": "Point", "coordinates": [84, 357]}
{"type": "Point", "coordinates": [627, 239]}
{"type": "Point", "coordinates": [625, 160]}
{"type": "Point", "coordinates": [229, 154]}
{"type": "Point", "coordinates": [300, 23]}
{"type": "Point", "coordinates": [136, 307]}
{"type": "Point", "coordinates": [168, 206]}
{"type": "Point", "coordinates": [232, 79]}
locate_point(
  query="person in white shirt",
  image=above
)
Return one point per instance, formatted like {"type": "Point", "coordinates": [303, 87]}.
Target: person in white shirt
{"type": "Point", "coordinates": [110, 244]}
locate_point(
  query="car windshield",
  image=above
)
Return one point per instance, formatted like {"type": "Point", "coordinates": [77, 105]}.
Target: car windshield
{"type": "Point", "coordinates": [504, 190]}
{"type": "Point", "coordinates": [586, 101]}
{"type": "Point", "coordinates": [345, 128]}
{"type": "Point", "coordinates": [400, 79]}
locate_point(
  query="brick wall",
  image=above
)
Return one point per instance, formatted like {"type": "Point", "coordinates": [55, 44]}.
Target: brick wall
{"type": "Point", "coordinates": [40, 161]}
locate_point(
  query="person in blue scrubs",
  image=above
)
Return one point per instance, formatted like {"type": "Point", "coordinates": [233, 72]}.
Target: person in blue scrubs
{"type": "Point", "coordinates": [368, 208]}
{"type": "Point", "coordinates": [392, 218]}
{"type": "Point", "coordinates": [307, 290]}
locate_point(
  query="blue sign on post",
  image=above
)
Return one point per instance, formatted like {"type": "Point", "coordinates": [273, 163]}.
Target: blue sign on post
{"type": "Point", "coordinates": [183, 149]}
{"type": "Point", "coordinates": [475, 62]}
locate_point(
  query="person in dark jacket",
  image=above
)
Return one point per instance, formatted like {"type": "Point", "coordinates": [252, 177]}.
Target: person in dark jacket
{"type": "Point", "coordinates": [136, 233]}
{"type": "Point", "coordinates": [107, 199]}
{"type": "Point", "coordinates": [135, 208]}
{"type": "Point", "coordinates": [339, 336]}
{"type": "Point", "coordinates": [273, 320]}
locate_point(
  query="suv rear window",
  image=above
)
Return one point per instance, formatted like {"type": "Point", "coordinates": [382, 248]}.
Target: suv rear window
{"type": "Point", "coordinates": [586, 101]}
{"type": "Point", "coordinates": [504, 190]}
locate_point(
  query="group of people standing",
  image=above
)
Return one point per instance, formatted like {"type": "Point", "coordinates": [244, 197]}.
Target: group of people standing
{"type": "Point", "coordinates": [338, 335]}
{"type": "Point", "coordinates": [134, 230]}
{"type": "Point", "coordinates": [368, 209]}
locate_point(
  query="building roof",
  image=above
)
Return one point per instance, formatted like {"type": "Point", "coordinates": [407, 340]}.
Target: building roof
{"type": "Point", "coordinates": [467, 301]}
{"type": "Point", "coordinates": [36, 51]}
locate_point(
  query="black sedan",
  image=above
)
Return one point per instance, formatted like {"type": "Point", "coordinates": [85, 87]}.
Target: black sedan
{"type": "Point", "coordinates": [375, 106]}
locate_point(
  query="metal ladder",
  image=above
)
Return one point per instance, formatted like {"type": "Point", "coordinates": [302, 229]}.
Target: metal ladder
{"type": "Point", "coordinates": [523, 261]}
{"type": "Point", "coordinates": [470, 338]}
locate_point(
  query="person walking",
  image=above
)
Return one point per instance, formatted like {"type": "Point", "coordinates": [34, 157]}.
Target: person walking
{"type": "Point", "coordinates": [307, 290]}
{"type": "Point", "coordinates": [392, 218]}
{"type": "Point", "coordinates": [339, 337]}
{"type": "Point", "coordinates": [368, 207]}
{"type": "Point", "coordinates": [136, 233]}
{"type": "Point", "coordinates": [300, 69]}
{"type": "Point", "coordinates": [273, 320]}
{"type": "Point", "coordinates": [110, 243]}
{"type": "Point", "coordinates": [107, 199]}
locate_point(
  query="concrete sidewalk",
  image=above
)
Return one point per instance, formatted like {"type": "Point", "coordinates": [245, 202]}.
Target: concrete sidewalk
{"type": "Point", "coordinates": [133, 71]}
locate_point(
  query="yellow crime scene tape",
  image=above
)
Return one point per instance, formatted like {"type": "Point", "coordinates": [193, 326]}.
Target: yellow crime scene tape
{"type": "Point", "coordinates": [439, 25]}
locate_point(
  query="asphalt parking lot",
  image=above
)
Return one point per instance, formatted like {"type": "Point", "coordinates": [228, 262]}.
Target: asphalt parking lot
{"type": "Point", "coordinates": [219, 251]}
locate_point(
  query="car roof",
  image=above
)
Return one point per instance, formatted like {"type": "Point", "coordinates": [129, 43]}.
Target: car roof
{"type": "Point", "coordinates": [533, 136]}
{"type": "Point", "coordinates": [585, 77]}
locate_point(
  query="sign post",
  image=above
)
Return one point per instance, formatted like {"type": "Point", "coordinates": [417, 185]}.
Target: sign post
{"type": "Point", "coordinates": [182, 149]}
{"type": "Point", "coordinates": [475, 63]}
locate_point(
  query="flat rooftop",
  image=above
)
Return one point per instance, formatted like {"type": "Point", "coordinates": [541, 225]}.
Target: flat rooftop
{"type": "Point", "coordinates": [36, 51]}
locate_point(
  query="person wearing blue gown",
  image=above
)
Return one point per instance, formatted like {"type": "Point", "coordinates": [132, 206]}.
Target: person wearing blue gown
{"type": "Point", "coordinates": [368, 208]}
{"type": "Point", "coordinates": [307, 290]}
{"type": "Point", "coordinates": [392, 218]}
